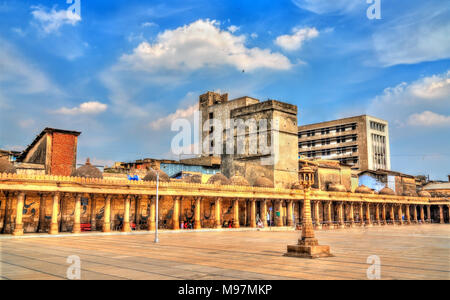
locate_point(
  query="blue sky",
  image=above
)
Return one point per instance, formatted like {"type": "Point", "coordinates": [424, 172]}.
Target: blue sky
{"type": "Point", "coordinates": [122, 70]}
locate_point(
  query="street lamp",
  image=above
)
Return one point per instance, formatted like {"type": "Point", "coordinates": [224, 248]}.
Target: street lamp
{"type": "Point", "coordinates": [307, 246]}
{"type": "Point", "coordinates": [156, 213]}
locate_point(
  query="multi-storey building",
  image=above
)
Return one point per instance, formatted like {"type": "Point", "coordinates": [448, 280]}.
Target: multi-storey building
{"type": "Point", "coordinates": [361, 141]}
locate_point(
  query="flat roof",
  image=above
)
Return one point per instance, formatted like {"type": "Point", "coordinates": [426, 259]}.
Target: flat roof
{"type": "Point", "coordinates": [340, 120]}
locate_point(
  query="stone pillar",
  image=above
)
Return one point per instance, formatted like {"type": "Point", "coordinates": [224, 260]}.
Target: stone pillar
{"type": "Point", "coordinates": [252, 213]}
{"type": "Point", "coordinates": [368, 218]}
{"type": "Point", "coordinates": [107, 216]}
{"type": "Point", "coordinates": [361, 213]}
{"type": "Point", "coordinates": [77, 214]}
{"type": "Point", "coordinates": [351, 215]}
{"type": "Point", "coordinates": [279, 220]}
{"type": "Point", "coordinates": [152, 215]}
{"type": "Point", "coordinates": [137, 211]}
{"type": "Point", "coordinates": [318, 225]}
{"type": "Point", "coordinates": [197, 222]}
{"type": "Point", "coordinates": [377, 214]}
{"type": "Point", "coordinates": [308, 246]}
{"type": "Point", "coordinates": [236, 213]}
{"type": "Point", "coordinates": [289, 218]}
{"type": "Point", "coordinates": [400, 214]}
{"type": "Point", "coordinates": [329, 220]}
{"type": "Point", "coordinates": [264, 212]}
{"type": "Point", "coordinates": [441, 214]}
{"type": "Point", "coordinates": [218, 212]}
{"type": "Point", "coordinates": [408, 214]}
{"type": "Point", "coordinates": [92, 212]}
{"type": "Point", "coordinates": [415, 214]}
{"type": "Point", "coordinates": [341, 215]}
{"type": "Point", "coordinates": [126, 215]}
{"type": "Point", "coordinates": [422, 214]}
{"type": "Point", "coordinates": [383, 213]}
{"type": "Point", "coordinates": [176, 213]}
{"type": "Point", "coordinates": [428, 214]}
{"type": "Point", "coordinates": [54, 222]}
{"type": "Point", "coordinates": [392, 214]}
{"type": "Point", "coordinates": [18, 229]}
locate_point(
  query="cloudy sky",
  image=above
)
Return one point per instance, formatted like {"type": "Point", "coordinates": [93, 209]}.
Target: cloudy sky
{"type": "Point", "coordinates": [121, 71]}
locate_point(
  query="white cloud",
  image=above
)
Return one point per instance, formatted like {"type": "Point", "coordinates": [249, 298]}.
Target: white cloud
{"type": "Point", "coordinates": [198, 45]}
{"type": "Point", "coordinates": [329, 6]}
{"type": "Point", "coordinates": [295, 41]}
{"type": "Point", "coordinates": [179, 114]}
{"type": "Point", "coordinates": [51, 20]}
{"type": "Point", "coordinates": [233, 28]}
{"type": "Point", "coordinates": [427, 89]}
{"type": "Point", "coordinates": [86, 108]}
{"type": "Point", "coordinates": [412, 103]}
{"type": "Point", "coordinates": [254, 35]}
{"type": "Point", "coordinates": [428, 118]}
{"type": "Point", "coordinates": [149, 24]}
{"type": "Point", "coordinates": [417, 36]}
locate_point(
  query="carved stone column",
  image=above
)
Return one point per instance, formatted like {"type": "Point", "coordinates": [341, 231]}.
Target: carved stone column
{"type": "Point", "coordinates": [107, 216]}
{"type": "Point", "coordinates": [329, 220]}
{"type": "Point", "coordinates": [137, 211]}
{"type": "Point", "coordinates": [351, 216]}
{"type": "Point", "coordinates": [77, 214]}
{"type": "Point", "coordinates": [289, 218]}
{"type": "Point", "coordinates": [392, 214]}
{"type": "Point", "coordinates": [126, 215]}
{"type": "Point", "coordinates": [441, 214]}
{"type": "Point", "coordinates": [176, 213]}
{"type": "Point", "coordinates": [308, 246]}
{"type": "Point", "coordinates": [428, 214]}
{"type": "Point", "coordinates": [415, 214]}
{"type": "Point", "coordinates": [197, 222]}
{"type": "Point", "coordinates": [408, 214]}
{"type": "Point", "coordinates": [54, 222]}
{"type": "Point", "coordinates": [400, 214]}
{"type": "Point", "coordinates": [318, 225]}
{"type": "Point", "coordinates": [383, 213]}
{"type": "Point", "coordinates": [422, 214]}
{"type": "Point", "coordinates": [18, 229]}
{"type": "Point", "coordinates": [264, 212]}
{"type": "Point", "coordinates": [341, 215]}
{"type": "Point", "coordinates": [361, 213]}
{"type": "Point", "coordinates": [279, 219]}
{"type": "Point", "coordinates": [368, 218]}
{"type": "Point", "coordinates": [92, 213]}
{"type": "Point", "coordinates": [152, 214]}
{"type": "Point", "coordinates": [218, 212]}
{"type": "Point", "coordinates": [252, 213]}
{"type": "Point", "coordinates": [377, 214]}
{"type": "Point", "coordinates": [236, 213]}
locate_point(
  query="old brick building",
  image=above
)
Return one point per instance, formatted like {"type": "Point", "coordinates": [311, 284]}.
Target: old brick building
{"type": "Point", "coordinates": [53, 150]}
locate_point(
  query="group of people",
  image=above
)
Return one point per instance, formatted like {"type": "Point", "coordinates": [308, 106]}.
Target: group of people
{"type": "Point", "coordinates": [186, 225]}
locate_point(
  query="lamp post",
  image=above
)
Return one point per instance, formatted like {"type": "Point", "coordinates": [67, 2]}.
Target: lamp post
{"type": "Point", "coordinates": [308, 246]}
{"type": "Point", "coordinates": [156, 213]}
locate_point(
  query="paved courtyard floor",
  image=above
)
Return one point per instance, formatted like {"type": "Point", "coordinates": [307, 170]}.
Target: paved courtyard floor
{"type": "Point", "coordinates": [405, 252]}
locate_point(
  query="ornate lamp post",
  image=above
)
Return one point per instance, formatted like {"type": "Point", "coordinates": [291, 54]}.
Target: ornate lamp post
{"type": "Point", "coordinates": [307, 246]}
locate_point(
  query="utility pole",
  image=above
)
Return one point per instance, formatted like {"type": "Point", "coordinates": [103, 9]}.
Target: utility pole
{"type": "Point", "coordinates": [156, 213]}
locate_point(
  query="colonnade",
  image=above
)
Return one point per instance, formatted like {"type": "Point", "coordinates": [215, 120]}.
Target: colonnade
{"type": "Point", "coordinates": [334, 214]}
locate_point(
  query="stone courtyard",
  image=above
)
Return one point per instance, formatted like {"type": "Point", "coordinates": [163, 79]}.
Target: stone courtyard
{"type": "Point", "coordinates": [406, 252]}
